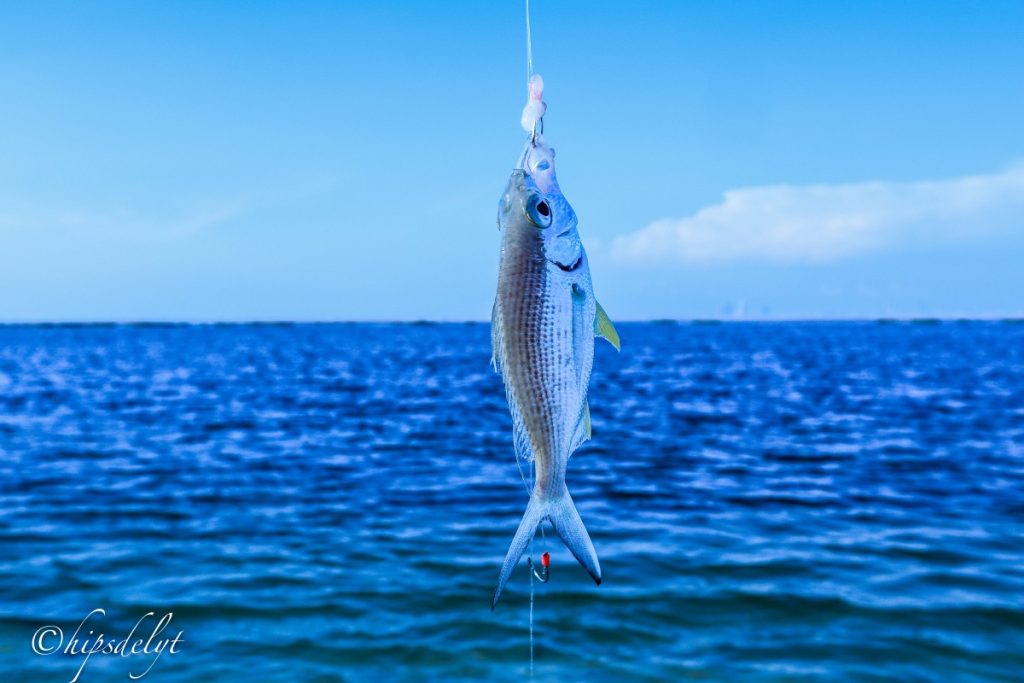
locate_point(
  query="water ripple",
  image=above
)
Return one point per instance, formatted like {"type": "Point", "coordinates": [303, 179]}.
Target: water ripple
{"type": "Point", "coordinates": [331, 502]}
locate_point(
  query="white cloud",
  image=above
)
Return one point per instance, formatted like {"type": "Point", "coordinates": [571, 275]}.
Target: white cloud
{"type": "Point", "coordinates": [820, 223]}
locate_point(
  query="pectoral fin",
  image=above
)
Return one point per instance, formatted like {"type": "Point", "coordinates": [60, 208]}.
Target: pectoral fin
{"type": "Point", "coordinates": [603, 327]}
{"type": "Point", "coordinates": [580, 330]}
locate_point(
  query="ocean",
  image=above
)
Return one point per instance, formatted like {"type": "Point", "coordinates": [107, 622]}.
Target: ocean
{"type": "Point", "coordinates": [332, 502]}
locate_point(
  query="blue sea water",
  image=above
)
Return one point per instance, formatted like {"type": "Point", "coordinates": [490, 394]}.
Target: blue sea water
{"type": "Point", "coordinates": [770, 502]}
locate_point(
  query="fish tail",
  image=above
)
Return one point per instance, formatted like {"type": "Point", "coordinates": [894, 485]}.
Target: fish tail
{"type": "Point", "coordinates": [567, 523]}
{"type": "Point", "coordinates": [536, 513]}
{"type": "Point", "coordinates": [566, 520]}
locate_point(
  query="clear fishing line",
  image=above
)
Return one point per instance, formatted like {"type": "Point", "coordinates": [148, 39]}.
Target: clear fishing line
{"type": "Point", "coordinates": [533, 479]}
{"type": "Point", "coordinates": [529, 45]}
{"type": "Point", "coordinates": [519, 464]}
{"type": "Point", "coordinates": [531, 611]}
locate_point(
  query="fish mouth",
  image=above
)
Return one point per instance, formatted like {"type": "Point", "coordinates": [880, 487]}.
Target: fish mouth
{"type": "Point", "coordinates": [568, 269]}
{"type": "Point", "coordinates": [519, 181]}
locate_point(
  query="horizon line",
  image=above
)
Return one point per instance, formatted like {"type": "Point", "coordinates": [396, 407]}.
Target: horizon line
{"type": "Point", "coordinates": [271, 322]}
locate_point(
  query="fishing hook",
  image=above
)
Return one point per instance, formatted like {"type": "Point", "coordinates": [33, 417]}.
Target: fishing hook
{"type": "Point", "coordinates": [533, 135]}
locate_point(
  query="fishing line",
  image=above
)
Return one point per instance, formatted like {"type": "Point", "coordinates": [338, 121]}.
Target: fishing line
{"type": "Point", "coordinates": [533, 468]}
{"type": "Point", "coordinates": [529, 489]}
{"type": "Point", "coordinates": [533, 114]}
{"type": "Point", "coordinates": [531, 612]}
{"type": "Point", "coordinates": [529, 45]}
{"type": "Point", "coordinates": [528, 486]}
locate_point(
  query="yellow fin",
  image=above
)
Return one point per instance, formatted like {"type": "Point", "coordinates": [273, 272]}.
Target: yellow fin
{"type": "Point", "coordinates": [586, 419]}
{"type": "Point", "coordinates": [603, 327]}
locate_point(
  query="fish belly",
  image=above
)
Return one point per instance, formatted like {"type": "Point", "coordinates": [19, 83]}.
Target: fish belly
{"type": "Point", "coordinates": [537, 336]}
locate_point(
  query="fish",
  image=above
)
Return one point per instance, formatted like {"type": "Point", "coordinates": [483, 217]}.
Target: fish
{"type": "Point", "coordinates": [543, 325]}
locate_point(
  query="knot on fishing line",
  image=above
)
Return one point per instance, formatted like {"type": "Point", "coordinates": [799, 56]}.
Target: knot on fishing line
{"type": "Point", "coordinates": [532, 119]}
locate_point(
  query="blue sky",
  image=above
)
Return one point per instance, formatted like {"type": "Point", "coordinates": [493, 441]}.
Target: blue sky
{"type": "Point", "coordinates": [233, 161]}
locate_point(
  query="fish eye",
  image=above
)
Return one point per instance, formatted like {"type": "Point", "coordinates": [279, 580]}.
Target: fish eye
{"type": "Point", "coordinates": [538, 211]}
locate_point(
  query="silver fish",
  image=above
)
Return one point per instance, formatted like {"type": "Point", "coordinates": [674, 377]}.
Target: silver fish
{"type": "Point", "coordinates": [543, 326]}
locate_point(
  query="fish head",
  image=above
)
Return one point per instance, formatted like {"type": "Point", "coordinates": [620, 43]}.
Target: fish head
{"type": "Point", "coordinates": [534, 208]}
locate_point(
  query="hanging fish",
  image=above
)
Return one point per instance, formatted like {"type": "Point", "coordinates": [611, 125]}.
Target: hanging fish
{"type": "Point", "coordinates": [543, 326]}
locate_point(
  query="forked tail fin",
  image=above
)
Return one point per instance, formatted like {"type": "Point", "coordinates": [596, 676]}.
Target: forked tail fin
{"type": "Point", "coordinates": [568, 525]}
